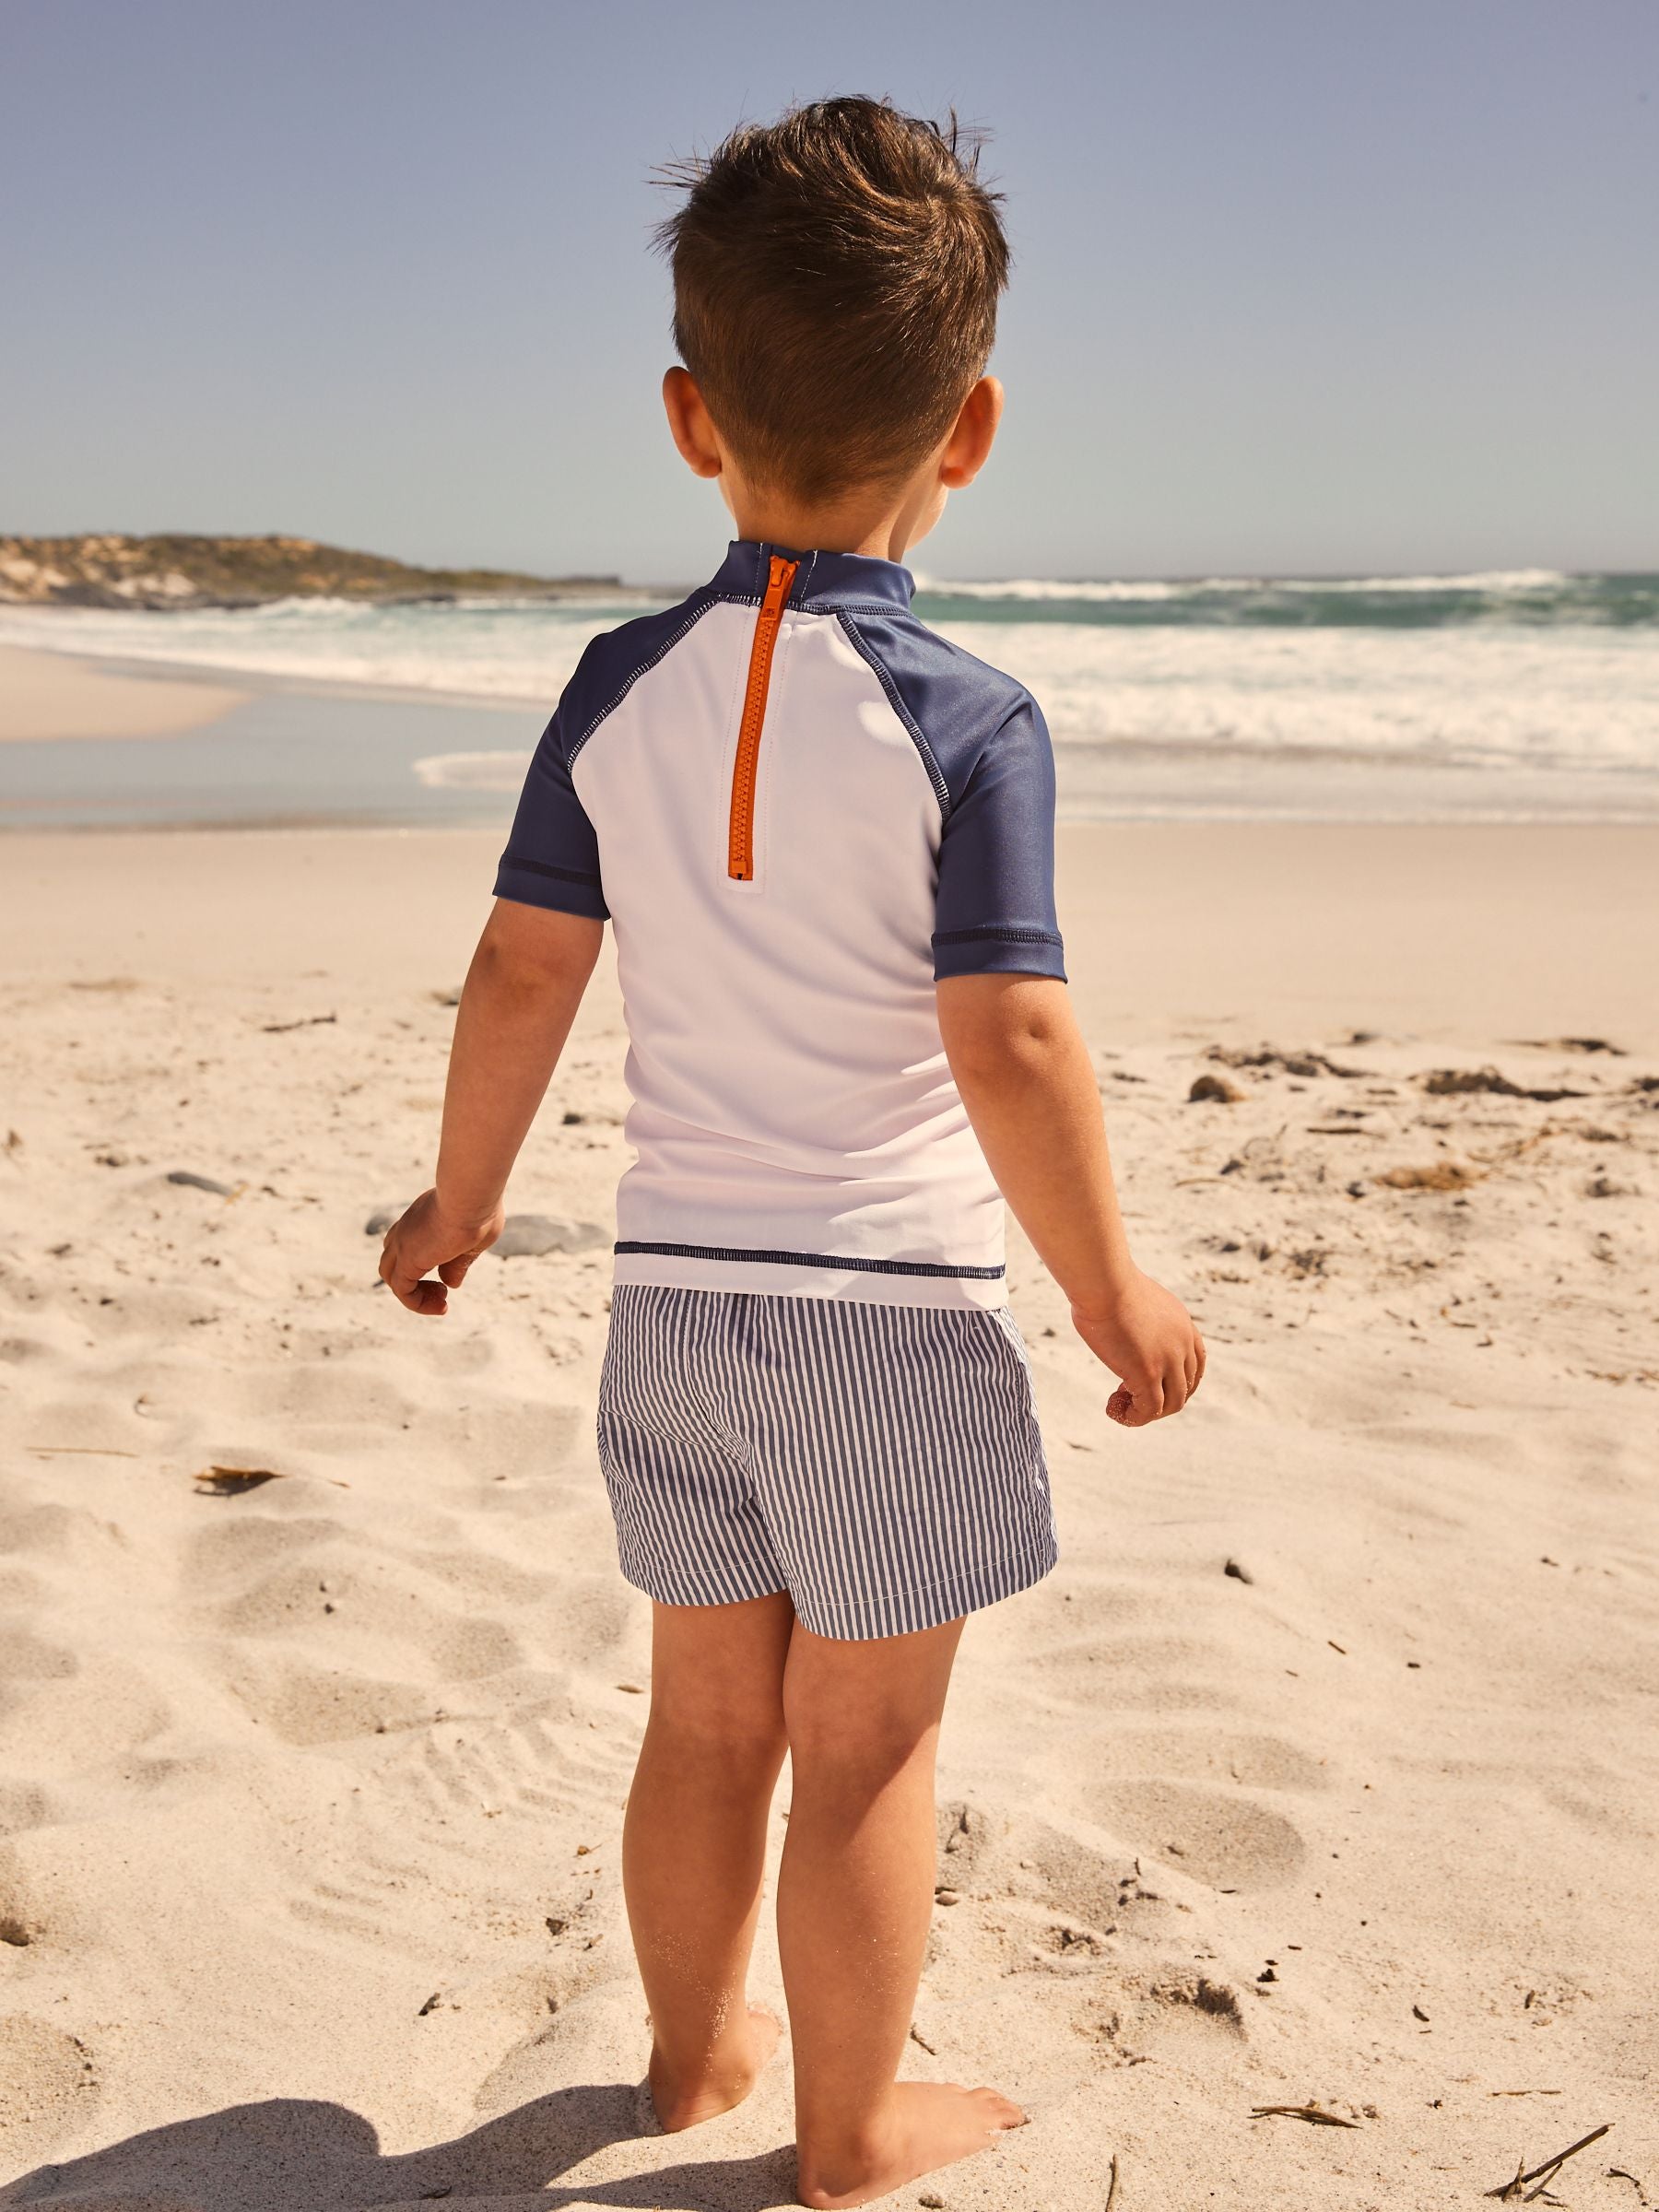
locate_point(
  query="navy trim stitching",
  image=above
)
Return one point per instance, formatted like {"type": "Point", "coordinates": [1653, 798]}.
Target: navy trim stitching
{"type": "Point", "coordinates": [867, 654]}
{"type": "Point", "coordinates": [542, 867]}
{"type": "Point", "coordinates": [890, 607]}
{"type": "Point", "coordinates": [1011, 933]}
{"type": "Point", "coordinates": [822, 607]}
{"type": "Point", "coordinates": [805, 1259]}
{"type": "Point", "coordinates": [643, 669]}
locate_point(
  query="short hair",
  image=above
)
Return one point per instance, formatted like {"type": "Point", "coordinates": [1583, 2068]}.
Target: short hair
{"type": "Point", "coordinates": [836, 276]}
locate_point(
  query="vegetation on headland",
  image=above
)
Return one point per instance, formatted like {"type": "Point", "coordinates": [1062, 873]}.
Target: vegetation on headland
{"type": "Point", "coordinates": [174, 571]}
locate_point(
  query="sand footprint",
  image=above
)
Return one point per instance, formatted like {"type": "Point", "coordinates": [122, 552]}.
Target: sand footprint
{"type": "Point", "coordinates": [1198, 1754]}
{"type": "Point", "coordinates": [307, 1707]}
{"type": "Point", "coordinates": [1231, 1843]}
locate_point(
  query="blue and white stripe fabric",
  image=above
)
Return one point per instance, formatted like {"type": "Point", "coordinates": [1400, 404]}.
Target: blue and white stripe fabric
{"type": "Point", "coordinates": [882, 1464]}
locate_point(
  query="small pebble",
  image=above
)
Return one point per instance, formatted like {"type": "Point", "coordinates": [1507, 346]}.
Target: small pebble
{"type": "Point", "coordinates": [1216, 1089]}
{"type": "Point", "coordinates": [532, 1236]}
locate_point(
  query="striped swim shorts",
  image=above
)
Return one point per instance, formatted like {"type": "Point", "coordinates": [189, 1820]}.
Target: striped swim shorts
{"type": "Point", "coordinates": [881, 1463]}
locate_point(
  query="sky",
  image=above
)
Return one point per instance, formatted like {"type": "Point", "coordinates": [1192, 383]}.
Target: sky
{"type": "Point", "coordinates": [1333, 288]}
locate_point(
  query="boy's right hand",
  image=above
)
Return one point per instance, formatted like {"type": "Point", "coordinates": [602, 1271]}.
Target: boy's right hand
{"type": "Point", "coordinates": [1151, 1343]}
{"type": "Point", "coordinates": [425, 1241]}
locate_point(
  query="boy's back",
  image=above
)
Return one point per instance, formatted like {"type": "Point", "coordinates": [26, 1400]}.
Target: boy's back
{"type": "Point", "coordinates": [800, 809]}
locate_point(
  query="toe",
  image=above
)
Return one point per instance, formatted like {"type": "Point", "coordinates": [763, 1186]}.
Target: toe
{"type": "Point", "coordinates": [1000, 2111]}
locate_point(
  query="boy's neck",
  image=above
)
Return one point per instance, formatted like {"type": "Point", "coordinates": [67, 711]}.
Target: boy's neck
{"type": "Point", "coordinates": [880, 526]}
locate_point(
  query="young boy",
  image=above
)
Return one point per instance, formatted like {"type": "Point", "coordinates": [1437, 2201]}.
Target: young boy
{"type": "Point", "coordinates": [824, 839]}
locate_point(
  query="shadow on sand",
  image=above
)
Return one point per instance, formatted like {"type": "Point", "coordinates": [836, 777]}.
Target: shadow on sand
{"type": "Point", "coordinates": [295, 2153]}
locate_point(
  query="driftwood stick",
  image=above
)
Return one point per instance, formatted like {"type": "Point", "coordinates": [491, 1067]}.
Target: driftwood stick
{"type": "Point", "coordinates": [1547, 2169]}
{"type": "Point", "coordinates": [1310, 2112]}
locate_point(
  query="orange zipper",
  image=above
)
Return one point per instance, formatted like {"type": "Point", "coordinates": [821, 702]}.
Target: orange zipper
{"type": "Point", "coordinates": [740, 837]}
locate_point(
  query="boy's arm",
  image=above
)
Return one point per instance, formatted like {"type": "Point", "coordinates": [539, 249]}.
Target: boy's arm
{"type": "Point", "coordinates": [1028, 1085]}
{"type": "Point", "coordinates": [523, 990]}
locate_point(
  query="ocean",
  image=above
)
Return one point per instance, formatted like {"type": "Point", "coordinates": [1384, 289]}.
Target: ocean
{"type": "Point", "coordinates": [1525, 694]}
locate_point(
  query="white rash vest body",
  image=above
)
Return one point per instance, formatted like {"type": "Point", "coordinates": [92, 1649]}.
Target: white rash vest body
{"type": "Point", "coordinates": [791, 851]}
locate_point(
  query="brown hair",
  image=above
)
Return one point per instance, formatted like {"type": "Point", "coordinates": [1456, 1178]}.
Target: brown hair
{"type": "Point", "coordinates": [835, 277]}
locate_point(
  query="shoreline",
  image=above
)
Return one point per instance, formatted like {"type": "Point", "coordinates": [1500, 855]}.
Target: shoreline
{"type": "Point", "coordinates": [251, 682]}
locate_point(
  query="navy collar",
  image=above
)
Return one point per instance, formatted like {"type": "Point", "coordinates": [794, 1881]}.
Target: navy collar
{"type": "Point", "coordinates": [822, 580]}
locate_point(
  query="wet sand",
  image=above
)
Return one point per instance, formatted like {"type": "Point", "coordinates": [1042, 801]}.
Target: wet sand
{"type": "Point", "coordinates": [50, 695]}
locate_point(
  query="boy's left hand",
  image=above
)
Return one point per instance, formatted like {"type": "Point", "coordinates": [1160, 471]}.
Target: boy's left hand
{"type": "Point", "coordinates": [425, 1241]}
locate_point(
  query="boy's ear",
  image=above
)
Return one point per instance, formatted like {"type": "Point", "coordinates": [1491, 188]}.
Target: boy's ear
{"type": "Point", "coordinates": [691, 424]}
{"type": "Point", "coordinates": [968, 448]}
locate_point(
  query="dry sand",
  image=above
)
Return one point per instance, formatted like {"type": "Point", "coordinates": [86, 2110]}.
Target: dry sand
{"type": "Point", "coordinates": [52, 695]}
{"type": "Point", "coordinates": [310, 1792]}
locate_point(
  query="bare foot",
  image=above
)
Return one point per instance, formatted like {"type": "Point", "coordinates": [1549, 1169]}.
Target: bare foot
{"type": "Point", "coordinates": [928, 2124]}
{"type": "Point", "coordinates": [723, 2080]}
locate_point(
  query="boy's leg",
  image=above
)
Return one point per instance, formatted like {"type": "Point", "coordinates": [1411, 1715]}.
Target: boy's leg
{"type": "Point", "coordinates": [693, 1842]}
{"type": "Point", "coordinates": [854, 1899]}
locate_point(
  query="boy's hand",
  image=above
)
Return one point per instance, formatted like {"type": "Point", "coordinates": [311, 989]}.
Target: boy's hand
{"type": "Point", "coordinates": [1149, 1340]}
{"type": "Point", "coordinates": [425, 1240]}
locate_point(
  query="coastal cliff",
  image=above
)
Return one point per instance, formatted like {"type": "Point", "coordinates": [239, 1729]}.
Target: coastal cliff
{"type": "Point", "coordinates": [106, 570]}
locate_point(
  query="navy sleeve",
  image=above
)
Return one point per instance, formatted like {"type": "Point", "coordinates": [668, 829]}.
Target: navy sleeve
{"type": "Point", "coordinates": [552, 856]}
{"type": "Point", "coordinates": [995, 912]}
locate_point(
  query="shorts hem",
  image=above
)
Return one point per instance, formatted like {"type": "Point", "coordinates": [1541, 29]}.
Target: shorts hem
{"type": "Point", "coordinates": [906, 1612]}
{"type": "Point", "coordinates": [897, 1613]}
{"type": "Point", "coordinates": [658, 1590]}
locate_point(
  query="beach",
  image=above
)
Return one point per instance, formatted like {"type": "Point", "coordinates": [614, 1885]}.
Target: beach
{"type": "Point", "coordinates": [1295, 1835]}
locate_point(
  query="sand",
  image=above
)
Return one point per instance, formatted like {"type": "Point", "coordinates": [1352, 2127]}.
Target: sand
{"type": "Point", "coordinates": [52, 694]}
{"type": "Point", "coordinates": [1323, 1768]}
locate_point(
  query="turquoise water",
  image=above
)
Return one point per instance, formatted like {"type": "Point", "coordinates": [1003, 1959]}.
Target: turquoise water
{"type": "Point", "coordinates": [1542, 598]}
{"type": "Point", "coordinates": [1521, 693]}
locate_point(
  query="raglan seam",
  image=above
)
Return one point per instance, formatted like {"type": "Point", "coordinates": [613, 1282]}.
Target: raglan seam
{"type": "Point", "coordinates": [644, 668]}
{"type": "Point", "coordinates": [872, 660]}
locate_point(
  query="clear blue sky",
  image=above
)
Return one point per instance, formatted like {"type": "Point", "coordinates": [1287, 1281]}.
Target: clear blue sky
{"type": "Point", "coordinates": [1326, 286]}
